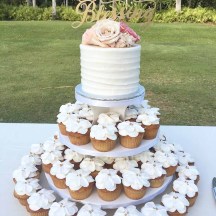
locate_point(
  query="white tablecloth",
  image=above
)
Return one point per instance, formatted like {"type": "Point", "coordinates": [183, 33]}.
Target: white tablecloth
{"type": "Point", "coordinates": [17, 138]}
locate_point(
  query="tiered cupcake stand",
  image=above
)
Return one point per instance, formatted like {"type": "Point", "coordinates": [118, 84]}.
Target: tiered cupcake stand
{"type": "Point", "coordinates": [100, 105]}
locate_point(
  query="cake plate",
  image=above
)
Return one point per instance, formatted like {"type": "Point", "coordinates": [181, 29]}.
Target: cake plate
{"type": "Point", "coordinates": [123, 200]}
{"type": "Point", "coordinates": [118, 151]}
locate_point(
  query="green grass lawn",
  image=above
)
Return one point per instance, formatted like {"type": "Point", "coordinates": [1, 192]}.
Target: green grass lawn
{"type": "Point", "coordinates": [39, 68]}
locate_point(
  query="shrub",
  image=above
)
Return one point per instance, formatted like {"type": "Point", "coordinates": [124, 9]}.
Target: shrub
{"type": "Point", "coordinates": [69, 14]}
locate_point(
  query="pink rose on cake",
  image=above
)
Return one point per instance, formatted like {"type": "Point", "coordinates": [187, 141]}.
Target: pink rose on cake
{"type": "Point", "coordinates": [109, 33]}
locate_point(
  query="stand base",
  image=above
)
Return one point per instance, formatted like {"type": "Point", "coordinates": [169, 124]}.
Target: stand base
{"type": "Point", "coordinates": [123, 200]}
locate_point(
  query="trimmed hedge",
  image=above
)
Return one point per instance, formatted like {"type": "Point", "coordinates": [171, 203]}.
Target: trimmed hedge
{"type": "Point", "coordinates": [197, 15]}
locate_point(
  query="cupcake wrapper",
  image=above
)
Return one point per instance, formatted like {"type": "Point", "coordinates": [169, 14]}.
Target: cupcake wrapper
{"type": "Point", "coordinates": [46, 167]}
{"type": "Point", "coordinates": [131, 142]}
{"type": "Point", "coordinates": [103, 145]}
{"type": "Point", "coordinates": [157, 182]}
{"type": "Point", "coordinates": [82, 193]}
{"type": "Point", "coordinates": [22, 198]}
{"type": "Point", "coordinates": [192, 200]}
{"type": "Point", "coordinates": [94, 174]}
{"type": "Point", "coordinates": [110, 195]}
{"type": "Point", "coordinates": [150, 131]}
{"type": "Point", "coordinates": [59, 183]}
{"type": "Point", "coordinates": [79, 139]}
{"type": "Point", "coordinates": [170, 170]}
{"type": "Point", "coordinates": [176, 213]}
{"type": "Point", "coordinates": [62, 129]}
{"type": "Point", "coordinates": [134, 194]}
{"type": "Point", "coordinates": [40, 212]}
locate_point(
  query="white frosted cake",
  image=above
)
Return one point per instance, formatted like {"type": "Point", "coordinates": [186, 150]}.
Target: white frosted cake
{"type": "Point", "coordinates": [110, 60]}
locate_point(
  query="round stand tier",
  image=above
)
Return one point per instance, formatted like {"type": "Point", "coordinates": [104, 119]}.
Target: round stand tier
{"type": "Point", "coordinates": [100, 101]}
{"type": "Point", "coordinates": [118, 151]}
{"type": "Point", "coordinates": [123, 200]}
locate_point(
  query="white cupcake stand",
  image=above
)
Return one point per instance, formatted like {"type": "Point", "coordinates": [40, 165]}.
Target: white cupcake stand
{"type": "Point", "coordinates": [119, 105]}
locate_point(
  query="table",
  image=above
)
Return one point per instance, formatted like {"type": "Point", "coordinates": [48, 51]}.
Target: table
{"type": "Point", "coordinates": [16, 140]}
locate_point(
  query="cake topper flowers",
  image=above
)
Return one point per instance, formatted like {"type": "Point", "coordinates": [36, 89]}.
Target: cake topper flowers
{"type": "Point", "coordinates": [109, 33]}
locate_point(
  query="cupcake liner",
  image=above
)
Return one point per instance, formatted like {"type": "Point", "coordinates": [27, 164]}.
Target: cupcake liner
{"type": "Point", "coordinates": [40, 212]}
{"type": "Point", "coordinates": [192, 200]}
{"type": "Point", "coordinates": [131, 142]}
{"type": "Point", "coordinates": [103, 145]}
{"type": "Point", "coordinates": [62, 129]}
{"type": "Point", "coordinates": [110, 195]}
{"type": "Point", "coordinates": [171, 170]}
{"type": "Point", "coordinates": [46, 167]}
{"type": "Point", "coordinates": [82, 193]}
{"type": "Point", "coordinates": [59, 183]}
{"type": "Point", "coordinates": [134, 194]}
{"type": "Point", "coordinates": [94, 174]}
{"type": "Point", "coordinates": [22, 198]}
{"type": "Point", "coordinates": [79, 139]}
{"type": "Point", "coordinates": [176, 213]}
{"type": "Point", "coordinates": [150, 131]}
{"type": "Point", "coordinates": [157, 182]}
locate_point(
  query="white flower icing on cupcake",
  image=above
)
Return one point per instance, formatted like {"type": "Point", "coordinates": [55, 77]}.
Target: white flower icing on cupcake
{"type": "Point", "coordinates": [148, 119]}
{"type": "Point", "coordinates": [42, 199]}
{"type": "Point", "coordinates": [107, 160]}
{"type": "Point", "coordinates": [107, 179]}
{"type": "Point", "coordinates": [152, 209]}
{"type": "Point", "coordinates": [91, 210]}
{"type": "Point", "coordinates": [27, 187]}
{"type": "Point", "coordinates": [31, 159]}
{"type": "Point", "coordinates": [128, 211]}
{"type": "Point", "coordinates": [86, 113]}
{"type": "Point", "coordinates": [188, 172]}
{"type": "Point", "coordinates": [73, 155]}
{"type": "Point", "coordinates": [144, 157]}
{"type": "Point", "coordinates": [149, 111]}
{"type": "Point", "coordinates": [25, 172]}
{"type": "Point", "coordinates": [78, 126]}
{"type": "Point", "coordinates": [51, 157]}
{"type": "Point", "coordinates": [37, 149]}
{"type": "Point", "coordinates": [167, 147]}
{"type": "Point", "coordinates": [100, 132]}
{"type": "Point", "coordinates": [131, 129]}
{"type": "Point", "coordinates": [175, 202]}
{"type": "Point", "coordinates": [135, 178]}
{"type": "Point", "coordinates": [153, 170]}
{"type": "Point", "coordinates": [166, 159]}
{"type": "Point", "coordinates": [185, 187]}
{"type": "Point", "coordinates": [110, 118]}
{"type": "Point", "coordinates": [78, 179]}
{"type": "Point", "coordinates": [92, 164]}
{"type": "Point", "coordinates": [63, 208]}
{"type": "Point", "coordinates": [123, 163]}
{"type": "Point", "coordinates": [185, 158]}
{"type": "Point", "coordinates": [131, 113]}
{"type": "Point", "coordinates": [53, 145]}
{"type": "Point", "coordinates": [61, 169]}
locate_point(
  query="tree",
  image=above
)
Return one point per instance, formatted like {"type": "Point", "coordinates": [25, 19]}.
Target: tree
{"type": "Point", "coordinates": [178, 5]}
{"type": "Point", "coordinates": [53, 9]}
{"type": "Point", "coordinates": [34, 3]}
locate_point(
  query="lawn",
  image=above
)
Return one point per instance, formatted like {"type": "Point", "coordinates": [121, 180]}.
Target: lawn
{"type": "Point", "coordinates": [39, 68]}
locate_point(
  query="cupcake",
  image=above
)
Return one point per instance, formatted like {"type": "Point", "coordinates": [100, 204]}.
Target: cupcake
{"type": "Point", "coordinates": [80, 184]}
{"type": "Point", "coordinates": [149, 111]}
{"type": "Point", "coordinates": [186, 187]}
{"type": "Point", "coordinates": [131, 114]}
{"type": "Point", "coordinates": [109, 161]}
{"type": "Point", "coordinates": [53, 144]}
{"type": "Point", "coordinates": [168, 147]}
{"type": "Point", "coordinates": [131, 134]}
{"type": "Point", "coordinates": [175, 203]}
{"type": "Point", "coordinates": [74, 157]}
{"type": "Point", "coordinates": [63, 208]}
{"type": "Point", "coordinates": [59, 171]}
{"type": "Point", "coordinates": [103, 138]}
{"type": "Point", "coordinates": [150, 209]}
{"type": "Point", "coordinates": [108, 184]}
{"type": "Point", "coordinates": [25, 172]}
{"type": "Point", "coordinates": [135, 183]}
{"type": "Point", "coordinates": [48, 158]}
{"type": "Point", "coordinates": [188, 172]}
{"type": "Point", "coordinates": [169, 161]}
{"type": "Point", "coordinates": [151, 125]}
{"type": "Point", "coordinates": [155, 173]}
{"type": "Point", "coordinates": [78, 131]}
{"type": "Point", "coordinates": [128, 211]}
{"type": "Point", "coordinates": [92, 165]}
{"type": "Point", "coordinates": [91, 210]}
{"type": "Point", "coordinates": [24, 189]}
{"type": "Point", "coordinates": [124, 163]}
{"type": "Point", "coordinates": [146, 156]}
{"type": "Point", "coordinates": [110, 118]}
{"type": "Point", "coordinates": [40, 202]}
{"type": "Point", "coordinates": [32, 159]}
{"type": "Point", "coordinates": [86, 113]}
{"type": "Point", "coordinates": [185, 159]}
{"type": "Point", "coordinates": [37, 149]}
{"type": "Point", "coordinates": [66, 112]}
